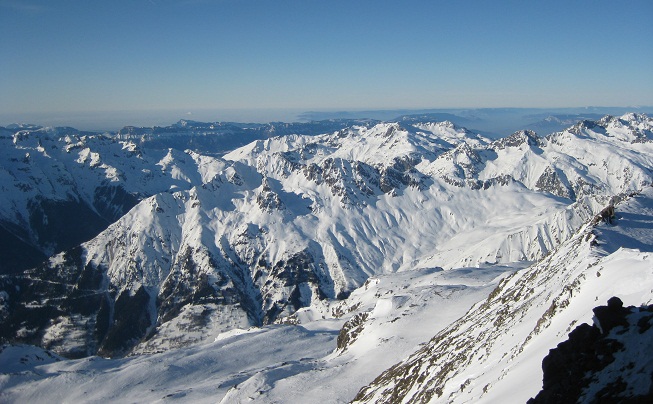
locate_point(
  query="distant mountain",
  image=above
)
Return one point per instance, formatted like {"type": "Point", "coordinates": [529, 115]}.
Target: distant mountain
{"type": "Point", "coordinates": [216, 138]}
{"type": "Point", "coordinates": [62, 186]}
{"type": "Point", "coordinates": [491, 122]}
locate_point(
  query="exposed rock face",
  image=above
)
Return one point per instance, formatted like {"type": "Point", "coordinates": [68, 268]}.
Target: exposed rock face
{"type": "Point", "coordinates": [79, 305]}
{"type": "Point", "coordinates": [609, 363]}
{"type": "Point", "coordinates": [76, 308]}
{"type": "Point", "coordinates": [526, 138]}
{"type": "Point", "coordinates": [606, 215]}
{"type": "Point", "coordinates": [350, 330]}
{"type": "Point", "coordinates": [612, 315]}
{"type": "Point", "coordinates": [550, 181]}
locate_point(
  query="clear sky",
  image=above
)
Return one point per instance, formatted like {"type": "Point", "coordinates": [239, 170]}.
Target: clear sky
{"type": "Point", "coordinates": [65, 56]}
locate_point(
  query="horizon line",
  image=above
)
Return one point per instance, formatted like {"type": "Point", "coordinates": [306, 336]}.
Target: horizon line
{"type": "Point", "coordinates": [102, 120]}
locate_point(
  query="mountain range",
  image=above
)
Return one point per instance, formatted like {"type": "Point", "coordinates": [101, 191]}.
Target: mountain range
{"type": "Point", "coordinates": [296, 262]}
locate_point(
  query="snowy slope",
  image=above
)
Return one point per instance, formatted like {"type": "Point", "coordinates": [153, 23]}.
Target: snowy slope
{"type": "Point", "coordinates": [379, 316]}
{"type": "Point", "coordinates": [494, 352]}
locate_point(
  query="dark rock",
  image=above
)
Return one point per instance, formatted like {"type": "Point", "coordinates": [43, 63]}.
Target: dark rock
{"type": "Point", "coordinates": [350, 330]}
{"type": "Point", "coordinates": [522, 137]}
{"type": "Point", "coordinates": [17, 253]}
{"type": "Point", "coordinates": [606, 215]}
{"type": "Point", "coordinates": [552, 181]}
{"type": "Point", "coordinates": [131, 319]}
{"type": "Point", "coordinates": [584, 360]}
{"type": "Point", "coordinates": [612, 315]}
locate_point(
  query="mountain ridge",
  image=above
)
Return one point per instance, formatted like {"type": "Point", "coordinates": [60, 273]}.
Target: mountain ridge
{"type": "Point", "coordinates": [287, 222]}
{"type": "Point", "coordinates": [347, 236]}
{"type": "Point", "coordinates": [542, 303]}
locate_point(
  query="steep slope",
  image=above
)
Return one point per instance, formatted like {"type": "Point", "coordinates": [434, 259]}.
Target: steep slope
{"type": "Point", "coordinates": [295, 221]}
{"type": "Point", "coordinates": [494, 352]}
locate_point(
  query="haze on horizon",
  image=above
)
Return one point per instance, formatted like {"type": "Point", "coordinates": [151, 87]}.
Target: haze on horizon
{"type": "Point", "coordinates": [263, 61]}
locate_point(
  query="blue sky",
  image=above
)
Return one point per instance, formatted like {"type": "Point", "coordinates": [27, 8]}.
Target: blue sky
{"type": "Point", "coordinates": [70, 56]}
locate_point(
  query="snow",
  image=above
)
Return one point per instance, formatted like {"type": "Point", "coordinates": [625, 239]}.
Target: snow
{"type": "Point", "coordinates": [200, 373]}
{"type": "Point", "coordinates": [419, 259]}
{"type": "Point", "coordinates": [531, 312]}
{"type": "Point", "coordinates": [634, 286]}
{"type": "Point", "coordinates": [289, 363]}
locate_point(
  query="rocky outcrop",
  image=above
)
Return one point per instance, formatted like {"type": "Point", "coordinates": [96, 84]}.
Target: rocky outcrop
{"type": "Point", "coordinates": [607, 362]}
{"type": "Point", "coordinates": [350, 331]}
{"type": "Point", "coordinates": [523, 137]}
{"type": "Point", "coordinates": [606, 215]}
{"type": "Point", "coordinates": [551, 181]}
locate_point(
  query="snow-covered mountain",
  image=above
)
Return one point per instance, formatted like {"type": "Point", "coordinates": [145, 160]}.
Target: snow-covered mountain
{"type": "Point", "coordinates": [493, 353]}
{"type": "Point", "coordinates": [290, 222]}
{"type": "Point", "coordinates": [62, 187]}
{"type": "Point", "coordinates": [346, 239]}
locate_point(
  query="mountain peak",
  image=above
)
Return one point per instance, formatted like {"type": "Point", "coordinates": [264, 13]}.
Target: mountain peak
{"type": "Point", "coordinates": [519, 138]}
